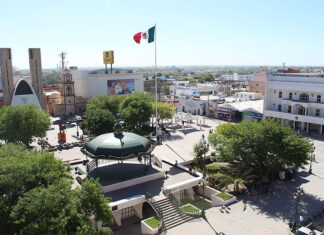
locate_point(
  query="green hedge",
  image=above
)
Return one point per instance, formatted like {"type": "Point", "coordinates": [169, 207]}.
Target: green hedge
{"type": "Point", "coordinates": [212, 169]}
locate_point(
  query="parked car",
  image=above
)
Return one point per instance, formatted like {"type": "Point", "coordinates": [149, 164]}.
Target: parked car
{"type": "Point", "coordinates": [51, 128]}
{"type": "Point", "coordinates": [69, 125]}
{"type": "Point", "coordinates": [56, 122]}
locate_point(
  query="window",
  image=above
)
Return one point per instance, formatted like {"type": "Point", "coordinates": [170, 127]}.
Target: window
{"type": "Point", "coordinates": [279, 107]}
{"type": "Point", "coordinates": [304, 97]}
{"type": "Point", "coordinates": [319, 99]}
{"type": "Point", "coordinates": [289, 109]}
{"type": "Point", "coordinates": [301, 111]}
{"type": "Point", "coordinates": [127, 212]}
{"type": "Point", "coordinates": [280, 94]}
{"type": "Point", "coordinates": [290, 95]}
{"type": "Point", "coordinates": [317, 113]}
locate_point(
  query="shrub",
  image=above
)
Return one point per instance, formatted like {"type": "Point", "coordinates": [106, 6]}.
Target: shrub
{"type": "Point", "coordinates": [212, 169]}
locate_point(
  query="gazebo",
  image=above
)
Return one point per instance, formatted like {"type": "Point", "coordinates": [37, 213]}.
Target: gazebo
{"type": "Point", "coordinates": [119, 146]}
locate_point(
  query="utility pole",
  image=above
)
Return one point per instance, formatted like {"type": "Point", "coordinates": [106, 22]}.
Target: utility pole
{"type": "Point", "coordinates": [62, 57]}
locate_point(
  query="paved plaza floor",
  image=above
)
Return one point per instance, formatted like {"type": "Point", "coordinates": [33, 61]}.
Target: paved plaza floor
{"type": "Point", "coordinates": [266, 214]}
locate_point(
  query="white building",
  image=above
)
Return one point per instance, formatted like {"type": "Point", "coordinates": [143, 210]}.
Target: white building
{"type": "Point", "coordinates": [236, 77]}
{"type": "Point", "coordinates": [186, 89]}
{"type": "Point", "coordinates": [296, 98]}
{"type": "Point", "coordinates": [88, 84]}
{"type": "Point", "coordinates": [246, 96]}
{"type": "Point", "coordinates": [24, 93]}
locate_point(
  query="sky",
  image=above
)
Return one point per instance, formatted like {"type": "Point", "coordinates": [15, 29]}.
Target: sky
{"type": "Point", "coordinates": [188, 32]}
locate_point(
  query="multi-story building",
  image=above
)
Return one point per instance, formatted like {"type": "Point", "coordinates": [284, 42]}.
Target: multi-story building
{"type": "Point", "coordinates": [89, 83]}
{"type": "Point", "coordinates": [297, 98]}
{"type": "Point", "coordinates": [257, 84]}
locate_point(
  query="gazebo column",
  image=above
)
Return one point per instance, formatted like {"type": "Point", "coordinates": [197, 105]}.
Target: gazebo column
{"type": "Point", "coordinates": [97, 167]}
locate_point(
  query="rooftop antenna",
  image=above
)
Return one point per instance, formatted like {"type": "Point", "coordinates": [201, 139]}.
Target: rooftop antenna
{"type": "Point", "coordinates": [62, 57]}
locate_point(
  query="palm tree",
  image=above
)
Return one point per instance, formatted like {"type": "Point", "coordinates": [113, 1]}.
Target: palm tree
{"type": "Point", "coordinates": [238, 177]}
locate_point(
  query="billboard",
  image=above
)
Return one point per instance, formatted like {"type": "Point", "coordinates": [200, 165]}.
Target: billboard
{"type": "Point", "coordinates": [196, 96]}
{"type": "Point", "coordinates": [108, 57]}
{"type": "Point", "coordinates": [121, 87]}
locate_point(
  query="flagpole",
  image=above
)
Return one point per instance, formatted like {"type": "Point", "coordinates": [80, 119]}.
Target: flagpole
{"type": "Point", "coordinates": [156, 117]}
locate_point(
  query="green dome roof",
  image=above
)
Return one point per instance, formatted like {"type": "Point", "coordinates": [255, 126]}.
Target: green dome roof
{"type": "Point", "coordinates": [118, 144]}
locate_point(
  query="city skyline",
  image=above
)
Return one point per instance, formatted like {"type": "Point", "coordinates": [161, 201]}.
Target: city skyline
{"type": "Point", "coordinates": [188, 34]}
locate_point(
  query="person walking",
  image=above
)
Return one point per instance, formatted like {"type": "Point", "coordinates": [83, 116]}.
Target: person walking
{"type": "Point", "coordinates": [301, 219]}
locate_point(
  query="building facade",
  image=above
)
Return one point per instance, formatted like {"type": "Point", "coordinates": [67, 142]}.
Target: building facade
{"type": "Point", "coordinates": [6, 77]}
{"type": "Point", "coordinates": [64, 101]}
{"type": "Point", "coordinates": [257, 84]}
{"type": "Point", "coordinates": [296, 98]}
{"type": "Point", "coordinates": [89, 84]}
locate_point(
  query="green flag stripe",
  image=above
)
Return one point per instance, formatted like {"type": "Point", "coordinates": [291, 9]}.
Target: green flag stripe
{"type": "Point", "coordinates": [151, 33]}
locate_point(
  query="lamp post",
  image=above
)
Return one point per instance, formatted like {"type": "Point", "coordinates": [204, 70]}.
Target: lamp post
{"type": "Point", "coordinates": [297, 195]}
{"type": "Point", "coordinates": [77, 122]}
{"type": "Point", "coordinates": [205, 149]}
{"type": "Point", "coordinates": [312, 155]}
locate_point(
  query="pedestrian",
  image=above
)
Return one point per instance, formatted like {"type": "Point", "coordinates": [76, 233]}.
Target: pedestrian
{"type": "Point", "coordinates": [301, 219]}
{"type": "Point", "coordinates": [190, 169]}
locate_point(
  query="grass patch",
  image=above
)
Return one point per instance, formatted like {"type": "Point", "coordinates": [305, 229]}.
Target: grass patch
{"type": "Point", "coordinates": [223, 196]}
{"type": "Point", "coordinates": [153, 222]}
{"type": "Point", "coordinates": [189, 209]}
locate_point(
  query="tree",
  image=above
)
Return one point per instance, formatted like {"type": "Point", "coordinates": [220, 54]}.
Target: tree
{"type": "Point", "coordinates": [135, 111]}
{"type": "Point", "coordinates": [144, 96]}
{"type": "Point", "coordinates": [100, 114]}
{"type": "Point", "coordinates": [266, 146]}
{"type": "Point", "coordinates": [99, 121]}
{"type": "Point", "coordinates": [192, 80]}
{"type": "Point", "coordinates": [207, 78]}
{"type": "Point", "coordinates": [107, 102]}
{"type": "Point", "coordinates": [36, 196]}
{"type": "Point", "coordinates": [200, 149]}
{"type": "Point", "coordinates": [165, 89]}
{"type": "Point", "coordinates": [165, 111]}
{"type": "Point", "coordinates": [238, 176]}
{"type": "Point", "coordinates": [19, 124]}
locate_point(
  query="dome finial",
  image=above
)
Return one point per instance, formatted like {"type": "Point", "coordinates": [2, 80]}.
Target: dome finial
{"type": "Point", "coordinates": [118, 129]}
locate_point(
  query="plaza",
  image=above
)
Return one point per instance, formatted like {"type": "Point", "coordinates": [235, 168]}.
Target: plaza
{"type": "Point", "coordinates": [251, 214]}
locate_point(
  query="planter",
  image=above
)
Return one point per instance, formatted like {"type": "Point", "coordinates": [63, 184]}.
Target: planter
{"type": "Point", "coordinates": [148, 226]}
{"type": "Point", "coordinates": [190, 209]}
{"type": "Point", "coordinates": [222, 199]}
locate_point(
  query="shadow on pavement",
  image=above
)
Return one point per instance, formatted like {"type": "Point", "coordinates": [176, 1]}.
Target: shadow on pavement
{"type": "Point", "coordinates": [279, 202]}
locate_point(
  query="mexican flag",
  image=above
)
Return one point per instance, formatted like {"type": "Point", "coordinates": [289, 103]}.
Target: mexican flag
{"type": "Point", "coordinates": [147, 36]}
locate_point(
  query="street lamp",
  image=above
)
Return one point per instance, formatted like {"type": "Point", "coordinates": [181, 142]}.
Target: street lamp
{"type": "Point", "coordinates": [297, 195]}
{"type": "Point", "coordinates": [312, 155]}
{"type": "Point", "coordinates": [77, 122]}
{"type": "Point", "coordinates": [205, 149]}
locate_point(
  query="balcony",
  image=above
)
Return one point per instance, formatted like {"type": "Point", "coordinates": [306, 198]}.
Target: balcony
{"type": "Point", "coordinates": [305, 103]}
{"type": "Point", "coordinates": [293, 117]}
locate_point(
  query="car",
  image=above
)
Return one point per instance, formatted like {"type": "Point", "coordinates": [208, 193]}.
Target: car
{"type": "Point", "coordinates": [51, 128]}
{"type": "Point", "coordinates": [69, 125]}
{"type": "Point", "coordinates": [56, 122]}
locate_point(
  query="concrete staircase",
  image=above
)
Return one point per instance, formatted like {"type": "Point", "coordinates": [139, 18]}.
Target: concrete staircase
{"type": "Point", "coordinates": [172, 215]}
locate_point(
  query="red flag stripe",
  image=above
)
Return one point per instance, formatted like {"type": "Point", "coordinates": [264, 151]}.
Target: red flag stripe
{"type": "Point", "coordinates": [137, 37]}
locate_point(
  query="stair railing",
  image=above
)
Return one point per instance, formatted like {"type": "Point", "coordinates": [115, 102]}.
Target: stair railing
{"type": "Point", "coordinates": [156, 161]}
{"type": "Point", "coordinates": [157, 209]}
